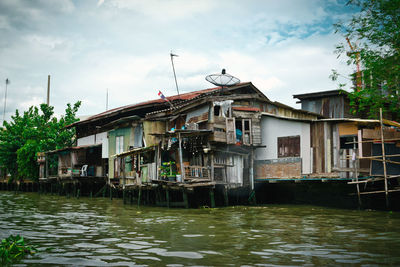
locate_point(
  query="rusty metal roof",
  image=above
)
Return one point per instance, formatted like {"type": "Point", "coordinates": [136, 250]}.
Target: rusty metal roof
{"type": "Point", "coordinates": [190, 100]}
{"type": "Point", "coordinates": [175, 98]}
{"type": "Point", "coordinates": [72, 148]}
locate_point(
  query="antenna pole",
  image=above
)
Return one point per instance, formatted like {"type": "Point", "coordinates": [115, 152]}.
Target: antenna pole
{"type": "Point", "coordinates": [5, 100]}
{"type": "Point", "coordinates": [173, 68]}
{"type": "Point", "coordinates": [48, 90]}
{"type": "Point", "coordinates": [107, 100]}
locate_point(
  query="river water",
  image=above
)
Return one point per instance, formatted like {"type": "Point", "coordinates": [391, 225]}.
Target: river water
{"type": "Point", "coordinates": [101, 232]}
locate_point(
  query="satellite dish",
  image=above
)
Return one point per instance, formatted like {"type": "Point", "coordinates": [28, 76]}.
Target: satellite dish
{"type": "Point", "coordinates": [223, 79]}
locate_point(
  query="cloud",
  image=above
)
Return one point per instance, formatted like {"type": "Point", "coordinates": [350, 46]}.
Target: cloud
{"type": "Point", "coordinates": [165, 10]}
{"type": "Point", "coordinates": [283, 47]}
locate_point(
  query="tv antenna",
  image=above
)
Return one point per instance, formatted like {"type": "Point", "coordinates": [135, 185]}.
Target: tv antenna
{"type": "Point", "coordinates": [173, 68]}
{"type": "Point", "coordinates": [223, 79]}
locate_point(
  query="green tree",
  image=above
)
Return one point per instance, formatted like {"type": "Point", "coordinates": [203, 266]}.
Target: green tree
{"type": "Point", "coordinates": [35, 131]}
{"type": "Point", "coordinates": [374, 33]}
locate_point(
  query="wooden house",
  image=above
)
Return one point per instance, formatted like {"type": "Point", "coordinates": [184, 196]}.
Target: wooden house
{"type": "Point", "coordinates": [286, 151]}
{"type": "Point", "coordinates": [214, 138]}
{"type": "Point", "coordinates": [345, 147]}
{"type": "Point", "coordinates": [330, 104]}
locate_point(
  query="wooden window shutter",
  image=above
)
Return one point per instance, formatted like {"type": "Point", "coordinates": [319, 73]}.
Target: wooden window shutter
{"type": "Point", "coordinates": [246, 129]}
{"type": "Point", "coordinates": [230, 131]}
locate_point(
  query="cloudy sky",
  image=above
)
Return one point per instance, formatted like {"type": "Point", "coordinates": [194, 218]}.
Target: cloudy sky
{"type": "Point", "coordinates": [284, 47]}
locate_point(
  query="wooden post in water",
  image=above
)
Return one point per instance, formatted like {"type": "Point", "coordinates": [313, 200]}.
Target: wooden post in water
{"type": "Point", "coordinates": [124, 196]}
{"type": "Point", "coordinates": [167, 196]}
{"type": "Point", "coordinates": [212, 199]}
{"type": "Point", "coordinates": [384, 159]}
{"type": "Point", "coordinates": [226, 199]}
{"type": "Point", "coordinates": [185, 198]}
{"type": "Point", "coordinates": [74, 189]}
{"type": "Point", "coordinates": [139, 196]}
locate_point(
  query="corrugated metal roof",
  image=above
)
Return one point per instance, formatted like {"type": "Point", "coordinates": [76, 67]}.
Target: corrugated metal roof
{"type": "Point", "coordinates": [320, 94]}
{"type": "Point", "coordinates": [363, 121]}
{"type": "Point", "coordinates": [73, 148]}
{"type": "Point", "coordinates": [175, 98]}
{"type": "Point", "coordinates": [190, 100]}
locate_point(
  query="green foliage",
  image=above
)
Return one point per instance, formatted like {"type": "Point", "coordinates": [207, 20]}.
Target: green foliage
{"type": "Point", "coordinates": [35, 131]}
{"type": "Point", "coordinates": [374, 33]}
{"type": "Point", "coordinates": [13, 249]}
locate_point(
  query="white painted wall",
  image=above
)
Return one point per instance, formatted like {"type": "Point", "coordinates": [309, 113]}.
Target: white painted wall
{"type": "Point", "coordinates": [100, 138]}
{"type": "Point", "coordinates": [85, 141]}
{"type": "Point", "coordinates": [272, 128]}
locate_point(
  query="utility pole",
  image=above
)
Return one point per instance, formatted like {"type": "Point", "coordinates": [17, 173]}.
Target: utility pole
{"type": "Point", "coordinates": [5, 100]}
{"type": "Point", "coordinates": [173, 68]}
{"type": "Point", "coordinates": [48, 90]}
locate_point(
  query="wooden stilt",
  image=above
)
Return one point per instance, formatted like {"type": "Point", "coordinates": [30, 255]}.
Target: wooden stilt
{"type": "Point", "coordinates": [75, 193]}
{"type": "Point", "coordinates": [212, 199]}
{"type": "Point", "coordinates": [139, 196]}
{"type": "Point", "coordinates": [226, 199]}
{"type": "Point", "coordinates": [123, 196]}
{"type": "Point", "coordinates": [111, 192]}
{"type": "Point", "coordinates": [167, 196]}
{"type": "Point", "coordinates": [104, 190]}
{"type": "Point", "coordinates": [252, 197]}
{"type": "Point", "coordinates": [78, 193]}
{"type": "Point", "coordinates": [158, 198]}
{"type": "Point", "coordinates": [237, 196]}
{"type": "Point", "coordinates": [185, 198]}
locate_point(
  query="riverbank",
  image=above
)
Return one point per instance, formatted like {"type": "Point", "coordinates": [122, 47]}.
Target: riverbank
{"type": "Point", "coordinates": [337, 194]}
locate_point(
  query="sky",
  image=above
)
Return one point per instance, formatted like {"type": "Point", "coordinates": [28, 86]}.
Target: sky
{"type": "Point", "coordinates": [90, 47]}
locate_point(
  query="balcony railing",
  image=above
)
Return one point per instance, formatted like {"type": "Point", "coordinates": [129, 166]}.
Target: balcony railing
{"type": "Point", "coordinates": [197, 172]}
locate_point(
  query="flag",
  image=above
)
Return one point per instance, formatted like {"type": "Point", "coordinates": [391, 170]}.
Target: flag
{"type": "Point", "coordinates": [161, 95]}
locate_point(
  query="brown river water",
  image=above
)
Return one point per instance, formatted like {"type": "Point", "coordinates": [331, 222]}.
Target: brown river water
{"type": "Point", "coordinates": [104, 232]}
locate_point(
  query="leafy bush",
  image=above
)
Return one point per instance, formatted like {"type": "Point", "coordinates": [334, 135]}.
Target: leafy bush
{"type": "Point", "coordinates": [13, 249]}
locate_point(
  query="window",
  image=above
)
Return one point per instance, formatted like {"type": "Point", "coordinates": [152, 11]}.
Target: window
{"type": "Point", "coordinates": [243, 131]}
{"type": "Point", "coordinates": [348, 141]}
{"type": "Point", "coordinates": [119, 144]}
{"type": "Point", "coordinates": [289, 146]}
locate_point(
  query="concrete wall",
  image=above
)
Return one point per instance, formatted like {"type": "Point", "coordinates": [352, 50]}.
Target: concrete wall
{"type": "Point", "coordinates": [272, 128]}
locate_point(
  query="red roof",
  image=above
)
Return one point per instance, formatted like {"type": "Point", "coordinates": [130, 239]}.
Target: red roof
{"type": "Point", "coordinates": [184, 96]}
